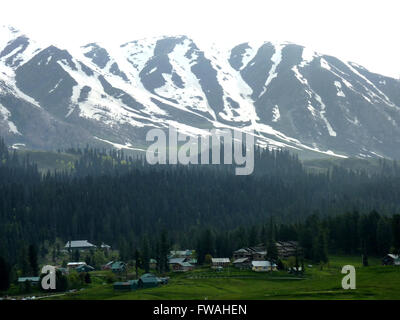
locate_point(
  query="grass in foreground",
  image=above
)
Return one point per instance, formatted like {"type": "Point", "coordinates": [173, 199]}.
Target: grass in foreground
{"type": "Point", "coordinates": [373, 282]}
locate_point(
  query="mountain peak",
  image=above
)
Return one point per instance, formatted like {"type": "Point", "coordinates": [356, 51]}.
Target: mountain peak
{"type": "Point", "coordinates": [288, 95]}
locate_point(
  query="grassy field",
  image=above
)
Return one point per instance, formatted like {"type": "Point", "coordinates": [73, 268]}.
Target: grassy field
{"type": "Point", "coordinates": [373, 282]}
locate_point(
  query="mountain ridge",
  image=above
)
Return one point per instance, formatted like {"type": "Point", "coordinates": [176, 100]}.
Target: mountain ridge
{"type": "Point", "coordinates": [290, 96]}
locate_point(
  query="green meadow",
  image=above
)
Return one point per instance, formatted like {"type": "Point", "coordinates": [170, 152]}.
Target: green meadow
{"type": "Point", "coordinates": [318, 282]}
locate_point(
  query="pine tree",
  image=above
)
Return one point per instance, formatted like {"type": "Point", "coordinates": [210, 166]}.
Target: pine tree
{"type": "Point", "coordinates": [364, 254]}
{"type": "Point", "coordinates": [33, 260]}
{"type": "Point", "coordinates": [164, 249]}
{"type": "Point", "coordinates": [146, 254]}
{"type": "Point", "coordinates": [137, 262]}
{"type": "Point", "coordinates": [4, 275]}
{"type": "Point", "coordinates": [396, 232]}
{"type": "Point", "coordinates": [24, 261]}
{"type": "Point", "coordinates": [272, 250]}
{"type": "Point", "coordinates": [384, 235]}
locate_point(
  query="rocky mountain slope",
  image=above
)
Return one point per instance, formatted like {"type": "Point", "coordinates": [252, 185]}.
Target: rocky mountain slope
{"type": "Point", "coordinates": [290, 96]}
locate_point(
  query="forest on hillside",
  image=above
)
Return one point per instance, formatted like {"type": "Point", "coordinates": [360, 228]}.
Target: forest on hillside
{"type": "Point", "coordinates": [106, 196]}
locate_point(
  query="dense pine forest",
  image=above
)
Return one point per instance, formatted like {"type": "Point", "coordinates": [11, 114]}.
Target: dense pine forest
{"type": "Point", "coordinates": [107, 196]}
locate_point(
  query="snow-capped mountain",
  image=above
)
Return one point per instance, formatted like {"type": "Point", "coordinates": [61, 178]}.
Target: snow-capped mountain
{"type": "Point", "coordinates": [291, 96]}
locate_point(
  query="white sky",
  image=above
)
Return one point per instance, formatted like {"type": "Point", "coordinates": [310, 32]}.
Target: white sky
{"type": "Point", "coordinates": [366, 32]}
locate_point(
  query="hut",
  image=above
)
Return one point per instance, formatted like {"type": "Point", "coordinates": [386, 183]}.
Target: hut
{"type": "Point", "coordinates": [126, 285]}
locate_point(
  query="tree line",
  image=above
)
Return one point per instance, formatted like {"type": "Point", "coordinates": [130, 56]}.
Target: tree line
{"type": "Point", "coordinates": [111, 197]}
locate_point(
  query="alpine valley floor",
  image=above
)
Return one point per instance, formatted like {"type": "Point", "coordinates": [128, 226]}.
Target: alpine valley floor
{"type": "Point", "coordinates": [373, 282]}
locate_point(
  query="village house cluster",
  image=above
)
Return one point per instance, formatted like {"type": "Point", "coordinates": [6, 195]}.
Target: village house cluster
{"type": "Point", "coordinates": [247, 258]}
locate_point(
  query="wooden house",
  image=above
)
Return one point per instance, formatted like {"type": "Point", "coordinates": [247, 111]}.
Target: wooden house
{"type": "Point", "coordinates": [148, 280]}
{"type": "Point", "coordinates": [220, 262]}
{"type": "Point", "coordinates": [242, 263]}
{"type": "Point", "coordinates": [32, 280]}
{"type": "Point", "coordinates": [263, 266]}
{"type": "Point", "coordinates": [126, 285]}
{"type": "Point", "coordinates": [180, 265]}
{"type": "Point", "coordinates": [80, 245]}
{"type": "Point", "coordinates": [74, 265]}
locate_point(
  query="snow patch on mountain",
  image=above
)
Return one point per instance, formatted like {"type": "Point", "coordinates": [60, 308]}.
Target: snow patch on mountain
{"type": "Point", "coordinates": [119, 146]}
{"type": "Point", "coordinates": [276, 60]}
{"type": "Point", "coordinates": [99, 105]}
{"type": "Point", "coordinates": [381, 96]}
{"type": "Point", "coordinates": [234, 88]}
{"type": "Point", "coordinates": [338, 86]}
{"type": "Point", "coordinates": [317, 97]}
{"type": "Point", "coordinates": [8, 76]}
{"type": "Point", "coordinates": [56, 86]}
{"type": "Point", "coordinates": [108, 91]}
{"type": "Point", "coordinates": [275, 113]}
{"type": "Point", "coordinates": [5, 114]}
{"type": "Point", "coordinates": [308, 56]}
{"type": "Point", "coordinates": [193, 98]}
{"type": "Point", "coordinates": [139, 52]}
{"type": "Point", "coordinates": [250, 53]}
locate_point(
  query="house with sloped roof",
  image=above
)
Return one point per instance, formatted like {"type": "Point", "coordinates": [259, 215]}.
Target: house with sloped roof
{"type": "Point", "coordinates": [107, 266]}
{"type": "Point", "coordinates": [242, 263]}
{"type": "Point", "coordinates": [126, 285]}
{"type": "Point", "coordinates": [288, 249]}
{"type": "Point", "coordinates": [79, 245]}
{"type": "Point", "coordinates": [220, 262]}
{"type": "Point", "coordinates": [118, 267]}
{"type": "Point", "coordinates": [252, 253]}
{"type": "Point", "coordinates": [263, 266]}
{"type": "Point", "coordinates": [84, 268]}
{"type": "Point", "coordinates": [74, 265]}
{"type": "Point", "coordinates": [285, 250]}
{"type": "Point", "coordinates": [32, 280]}
{"type": "Point", "coordinates": [148, 280]}
{"type": "Point", "coordinates": [180, 265]}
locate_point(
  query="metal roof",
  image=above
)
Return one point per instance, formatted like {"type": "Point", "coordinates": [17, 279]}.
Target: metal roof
{"type": "Point", "coordinates": [176, 260]}
{"type": "Point", "coordinates": [181, 252]}
{"type": "Point", "coordinates": [148, 275]}
{"type": "Point", "coordinates": [220, 260]}
{"type": "Point", "coordinates": [76, 263]}
{"type": "Point", "coordinates": [261, 264]}
{"type": "Point", "coordinates": [32, 279]}
{"type": "Point", "coordinates": [118, 265]}
{"type": "Point", "coordinates": [240, 260]}
{"type": "Point", "coordinates": [79, 244]}
{"type": "Point", "coordinates": [85, 267]}
{"type": "Point", "coordinates": [149, 280]}
{"type": "Point", "coordinates": [126, 283]}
